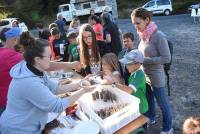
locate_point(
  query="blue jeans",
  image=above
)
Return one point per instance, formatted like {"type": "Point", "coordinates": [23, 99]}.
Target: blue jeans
{"type": "Point", "coordinates": [162, 100]}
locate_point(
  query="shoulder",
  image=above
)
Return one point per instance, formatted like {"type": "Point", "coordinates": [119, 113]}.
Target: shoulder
{"type": "Point", "coordinates": [11, 56]}
{"type": "Point", "coordinates": [158, 34]}
{"type": "Point", "coordinates": [139, 74]}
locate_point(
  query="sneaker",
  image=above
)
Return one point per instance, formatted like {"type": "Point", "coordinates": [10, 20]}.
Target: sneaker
{"type": "Point", "coordinates": [150, 123]}
{"type": "Point", "coordinates": [171, 131]}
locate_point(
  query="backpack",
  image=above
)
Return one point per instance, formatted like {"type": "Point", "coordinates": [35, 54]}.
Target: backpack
{"type": "Point", "coordinates": [168, 65]}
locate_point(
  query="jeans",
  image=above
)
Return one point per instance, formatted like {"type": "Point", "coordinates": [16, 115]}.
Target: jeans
{"type": "Point", "coordinates": [162, 100]}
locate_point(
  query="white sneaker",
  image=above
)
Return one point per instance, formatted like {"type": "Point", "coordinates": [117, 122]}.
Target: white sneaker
{"type": "Point", "coordinates": [171, 131]}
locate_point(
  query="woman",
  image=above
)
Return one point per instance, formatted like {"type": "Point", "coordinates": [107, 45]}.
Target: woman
{"type": "Point", "coordinates": [89, 53]}
{"type": "Point", "coordinates": [98, 29]}
{"type": "Point", "coordinates": [12, 57]}
{"type": "Point", "coordinates": [32, 95]}
{"type": "Point", "coordinates": [111, 34]}
{"type": "Point", "coordinates": [154, 46]}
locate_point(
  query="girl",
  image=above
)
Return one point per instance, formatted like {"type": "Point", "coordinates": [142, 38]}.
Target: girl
{"type": "Point", "coordinates": [89, 53]}
{"type": "Point", "coordinates": [111, 69]}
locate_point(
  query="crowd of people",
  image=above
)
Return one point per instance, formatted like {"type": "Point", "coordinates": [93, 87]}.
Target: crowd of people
{"type": "Point", "coordinates": [97, 47]}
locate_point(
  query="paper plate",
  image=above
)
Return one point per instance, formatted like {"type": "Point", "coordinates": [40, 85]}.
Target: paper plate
{"type": "Point", "coordinates": [86, 127]}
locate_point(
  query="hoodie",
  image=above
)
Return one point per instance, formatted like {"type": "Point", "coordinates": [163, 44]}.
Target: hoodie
{"type": "Point", "coordinates": [30, 98]}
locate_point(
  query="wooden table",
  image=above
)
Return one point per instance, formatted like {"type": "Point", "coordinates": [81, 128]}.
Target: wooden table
{"type": "Point", "coordinates": [135, 124]}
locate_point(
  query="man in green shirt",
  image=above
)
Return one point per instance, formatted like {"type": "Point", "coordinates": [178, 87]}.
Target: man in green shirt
{"type": "Point", "coordinates": [136, 82]}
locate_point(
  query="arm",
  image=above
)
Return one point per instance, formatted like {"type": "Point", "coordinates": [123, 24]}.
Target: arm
{"type": "Point", "coordinates": [67, 88]}
{"type": "Point", "coordinates": [116, 78]}
{"type": "Point", "coordinates": [79, 93]}
{"type": "Point", "coordinates": [125, 88]}
{"type": "Point", "coordinates": [70, 58]}
{"type": "Point", "coordinates": [163, 51]}
{"type": "Point", "coordinates": [108, 38]}
{"type": "Point", "coordinates": [63, 65]}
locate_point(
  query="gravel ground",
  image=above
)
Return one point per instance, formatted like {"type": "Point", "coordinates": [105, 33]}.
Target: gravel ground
{"type": "Point", "coordinates": [185, 70]}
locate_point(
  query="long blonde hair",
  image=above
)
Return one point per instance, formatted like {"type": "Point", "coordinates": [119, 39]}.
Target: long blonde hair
{"type": "Point", "coordinates": [84, 54]}
{"type": "Point", "coordinates": [112, 60]}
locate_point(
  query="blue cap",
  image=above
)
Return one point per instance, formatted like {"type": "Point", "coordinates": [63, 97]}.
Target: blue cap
{"type": "Point", "coordinates": [13, 32]}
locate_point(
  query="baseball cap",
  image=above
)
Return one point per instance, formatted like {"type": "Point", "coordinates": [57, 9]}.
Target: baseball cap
{"type": "Point", "coordinates": [134, 56]}
{"type": "Point", "coordinates": [13, 32]}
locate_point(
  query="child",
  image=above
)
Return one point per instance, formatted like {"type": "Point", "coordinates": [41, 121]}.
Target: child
{"type": "Point", "coordinates": [136, 82]}
{"type": "Point", "coordinates": [128, 43]}
{"type": "Point", "coordinates": [191, 125]}
{"type": "Point", "coordinates": [111, 69]}
{"type": "Point", "coordinates": [73, 47]}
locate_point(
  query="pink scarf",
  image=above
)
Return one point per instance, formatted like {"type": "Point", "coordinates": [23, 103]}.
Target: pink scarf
{"type": "Point", "coordinates": [146, 34]}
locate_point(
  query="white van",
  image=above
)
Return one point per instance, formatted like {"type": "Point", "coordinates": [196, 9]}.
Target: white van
{"type": "Point", "coordinates": [159, 6]}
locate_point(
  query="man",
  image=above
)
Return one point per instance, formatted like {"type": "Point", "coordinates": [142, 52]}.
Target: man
{"type": "Point", "coordinates": [8, 58]}
{"type": "Point", "coordinates": [61, 26]}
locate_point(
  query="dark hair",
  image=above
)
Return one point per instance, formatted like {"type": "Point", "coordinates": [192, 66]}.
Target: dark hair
{"type": "Point", "coordinates": [32, 47]}
{"type": "Point", "coordinates": [39, 25]}
{"type": "Point", "coordinates": [96, 18]}
{"type": "Point", "coordinates": [2, 34]}
{"type": "Point", "coordinates": [71, 35]}
{"type": "Point", "coordinates": [128, 35]}
{"type": "Point", "coordinates": [52, 25]}
{"type": "Point", "coordinates": [105, 18]}
{"type": "Point", "coordinates": [55, 31]}
{"type": "Point", "coordinates": [141, 13]}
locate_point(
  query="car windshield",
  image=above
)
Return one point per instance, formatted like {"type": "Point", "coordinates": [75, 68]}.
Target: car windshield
{"type": "Point", "coordinates": [150, 4]}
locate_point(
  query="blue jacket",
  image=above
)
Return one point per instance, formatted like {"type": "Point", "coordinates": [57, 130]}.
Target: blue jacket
{"type": "Point", "coordinates": [30, 98]}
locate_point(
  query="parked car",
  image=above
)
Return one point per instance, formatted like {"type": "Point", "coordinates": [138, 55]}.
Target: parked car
{"type": "Point", "coordinates": [9, 24]}
{"type": "Point", "coordinates": [159, 6]}
{"type": "Point", "coordinates": [195, 6]}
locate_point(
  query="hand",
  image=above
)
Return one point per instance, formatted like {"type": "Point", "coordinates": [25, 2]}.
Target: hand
{"type": "Point", "coordinates": [84, 83]}
{"type": "Point", "coordinates": [88, 76]}
{"type": "Point", "coordinates": [76, 66]}
{"type": "Point", "coordinates": [64, 81]}
{"type": "Point", "coordinates": [89, 88]}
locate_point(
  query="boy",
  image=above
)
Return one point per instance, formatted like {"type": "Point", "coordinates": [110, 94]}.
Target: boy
{"type": "Point", "coordinates": [136, 82]}
{"type": "Point", "coordinates": [128, 43]}
{"type": "Point", "coordinates": [73, 47]}
{"type": "Point", "coordinates": [191, 125]}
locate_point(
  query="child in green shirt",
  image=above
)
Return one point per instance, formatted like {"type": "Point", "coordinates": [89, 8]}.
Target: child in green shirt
{"type": "Point", "coordinates": [73, 47]}
{"type": "Point", "coordinates": [136, 82]}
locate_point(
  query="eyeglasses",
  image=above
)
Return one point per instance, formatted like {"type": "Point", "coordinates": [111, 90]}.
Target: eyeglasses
{"type": "Point", "coordinates": [87, 37]}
